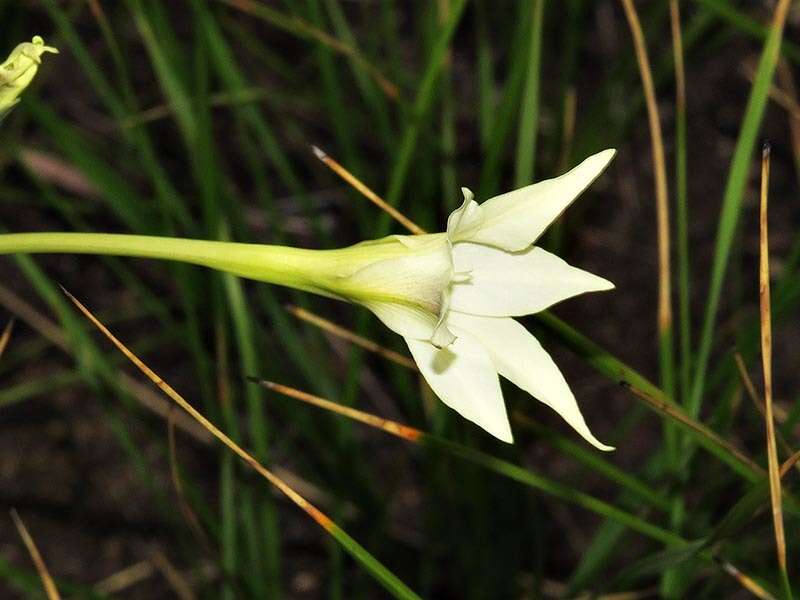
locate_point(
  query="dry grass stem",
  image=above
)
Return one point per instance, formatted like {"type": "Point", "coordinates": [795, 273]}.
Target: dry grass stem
{"type": "Point", "coordinates": [747, 382]}
{"type": "Point", "coordinates": [319, 517]}
{"type": "Point", "coordinates": [751, 392]}
{"type": "Point", "coordinates": [677, 52]}
{"type": "Point", "coordinates": [56, 336]}
{"type": "Point", "coordinates": [766, 359]}
{"type": "Point", "coordinates": [789, 463]}
{"type": "Point", "coordinates": [162, 111]}
{"type": "Point", "coordinates": [659, 169]}
{"type": "Point", "coordinates": [6, 336]}
{"type": "Point", "coordinates": [126, 578]}
{"type": "Point", "coordinates": [56, 170]}
{"type": "Point", "coordinates": [367, 192]}
{"type": "Point", "coordinates": [183, 503]}
{"type": "Point", "coordinates": [176, 580]}
{"type": "Point", "coordinates": [747, 582]}
{"type": "Point", "coordinates": [47, 581]}
{"type": "Point", "coordinates": [352, 337]}
{"type": "Point", "coordinates": [403, 431]}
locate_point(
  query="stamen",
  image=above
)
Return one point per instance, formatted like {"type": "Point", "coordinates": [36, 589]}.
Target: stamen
{"type": "Point", "coordinates": [462, 277]}
{"type": "Point", "coordinates": [442, 336]}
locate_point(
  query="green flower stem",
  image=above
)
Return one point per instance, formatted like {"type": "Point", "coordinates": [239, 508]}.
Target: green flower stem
{"type": "Point", "coordinates": [282, 265]}
{"type": "Point", "coordinates": [337, 273]}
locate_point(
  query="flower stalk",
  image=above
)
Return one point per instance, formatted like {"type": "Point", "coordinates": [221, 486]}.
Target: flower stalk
{"type": "Point", "coordinates": [322, 272]}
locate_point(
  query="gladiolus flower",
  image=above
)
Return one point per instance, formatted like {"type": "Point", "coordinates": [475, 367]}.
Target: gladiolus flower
{"type": "Point", "coordinates": [453, 295]}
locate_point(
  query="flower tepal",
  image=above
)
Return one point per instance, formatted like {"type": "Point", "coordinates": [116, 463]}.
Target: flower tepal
{"type": "Point", "coordinates": [497, 274]}
{"type": "Point", "coordinates": [18, 71]}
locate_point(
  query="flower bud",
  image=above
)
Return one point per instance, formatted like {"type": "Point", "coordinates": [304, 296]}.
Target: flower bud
{"type": "Point", "coordinates": [18, 71]}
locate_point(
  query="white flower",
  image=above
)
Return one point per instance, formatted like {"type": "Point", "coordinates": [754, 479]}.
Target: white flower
{"type": "Point", "coordinates": [451, 295]}
{"type": "Point", "coordinates": [470, 282]}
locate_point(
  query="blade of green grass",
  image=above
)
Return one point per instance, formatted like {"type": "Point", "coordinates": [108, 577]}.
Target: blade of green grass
{"type": "Point", "coordinates": [303, 29]}
{"type": "Point", "coordinates": [231, 76]}
{"type": "Point", "coordinates": [122, 199]}
{"type": "Point", "coordinates": [26, 581]}
{"type": "Point", "coordinates": [508, 110]}
{"type": "Point", "coordinates": [26, 390]}
{"type": "Point", "coordinates": [485, 68]}
{"type": "Point", "coordinates": [259, 431]}
{"type": "Point", "coordinates": [732, 199]}
{"type": "Point", "coordinates": [740, 20]}
{"type": "Point", "coordinates": [681, 205]}
{"type": "Point", "coordinates": [423, 101]}
{"type": "Point", "coordinates": [596, 556]}
{"type": "Point", "coordinates": [529, 111]}
{"type": "Point", "coordinates": [377, 101]}
{"type": "Point", "coordinates": [597, 464]}
{"type": "Point", "coordinates": [171, 85]}
{"type": "Point", "coordinates": [449, 178]}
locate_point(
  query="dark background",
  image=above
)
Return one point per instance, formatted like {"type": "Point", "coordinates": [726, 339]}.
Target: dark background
{"type": "Point", "coordinates": [71, 161]}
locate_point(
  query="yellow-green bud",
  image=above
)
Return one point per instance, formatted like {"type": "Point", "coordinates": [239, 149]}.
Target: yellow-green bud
{"type": "Point", "coordinates": [18, 71]}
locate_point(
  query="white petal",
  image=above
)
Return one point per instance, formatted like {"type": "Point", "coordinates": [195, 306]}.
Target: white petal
{"type": "Point", "coordinates": [418, 275]}
{"type": "Point", "coordinates": [410, 321]}
{"type": "Point", "coordinates": [515, 220]}
{"type": "Point", "coordinates": [505, 284]}
{"type": "Point", "coordinates": [463, 376]}
{"type": "Point", "coordinates": [465, 220]}
{"type": "Point", "coordinates": [519, 357]}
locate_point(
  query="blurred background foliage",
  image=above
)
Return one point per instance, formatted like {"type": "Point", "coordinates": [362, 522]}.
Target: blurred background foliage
{"type": "Point", "coordinates": [195, 119]}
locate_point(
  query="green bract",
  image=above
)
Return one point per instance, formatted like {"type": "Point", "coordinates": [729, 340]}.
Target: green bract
{"type": "Point", "coordinates": [451, 295]}
{"type": "Point", "coordinates": [18, 71]}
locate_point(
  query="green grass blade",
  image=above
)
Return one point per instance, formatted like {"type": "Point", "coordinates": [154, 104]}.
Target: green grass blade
{"type": "Point", "coordinates": [508, 110]}
{"type": "Point", "coordinates": [529, 112]}
{"type": "Point", "coordinates": [172, 86]}
{"type": "Point", "coordinates": [228, 518]}
{"type": "Point", "coordinates": [25, 390]}
{"type": "Point", "coordinates": [556, 489]}
{"type": "Point", "coordinates": [597, 464]}
{"type": "Point", "coordinates": [123, 200]}
{"type": "Point", "coordinates": [733, 196]}
{"type": "Point", "coordinates": [596, 556]}
{"type": "Point", "coordinates": [483, 48]}
{"type": "Point", "coordinates": [372, 95]}
{"type": "Point", "coordinates": [449, 178]}
{"type": "Point", "coordinates": [422, 104]}
{"type": "Point", "coordinates": [727, 11]}
{"type": "Point", "coordinates": [390, 582]}
{"type": "Point", "coordinates": [682, 216]}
